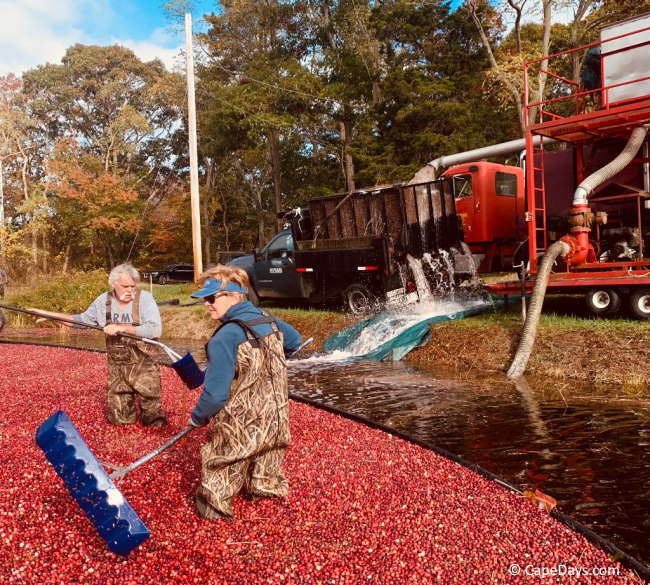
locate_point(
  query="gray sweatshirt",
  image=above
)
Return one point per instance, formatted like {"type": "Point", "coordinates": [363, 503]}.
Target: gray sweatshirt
{"type": "Point", "coordinates": [151, 325]}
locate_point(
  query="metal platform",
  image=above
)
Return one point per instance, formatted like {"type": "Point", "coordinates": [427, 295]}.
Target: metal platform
{"type": "Point", "coordinates": [613, 121]}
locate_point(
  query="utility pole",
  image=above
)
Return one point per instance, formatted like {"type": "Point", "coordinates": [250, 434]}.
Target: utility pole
{"type": "Point", "coordinates": [194, 170]}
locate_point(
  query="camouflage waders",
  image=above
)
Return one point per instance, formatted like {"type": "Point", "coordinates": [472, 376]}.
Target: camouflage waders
{"type": "Point", "coordinates": [132, 371]}
{"type": "Point", "coordinates": [248, 438]}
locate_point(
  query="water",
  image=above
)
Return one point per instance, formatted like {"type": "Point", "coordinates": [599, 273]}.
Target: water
{"type": "Point", "coordinates": [586, 446]}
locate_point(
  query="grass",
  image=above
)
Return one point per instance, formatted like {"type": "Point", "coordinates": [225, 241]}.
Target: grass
{"type": "Point", "coordinates": [571, 343]}
{"type": "Point", "coordinates": [167, 292]}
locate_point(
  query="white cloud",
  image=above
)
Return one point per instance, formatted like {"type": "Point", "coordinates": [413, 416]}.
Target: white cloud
{"type": "Point", "coordinates": [154, 47]}
{"type": "Point", "coordinates": [35, 32]}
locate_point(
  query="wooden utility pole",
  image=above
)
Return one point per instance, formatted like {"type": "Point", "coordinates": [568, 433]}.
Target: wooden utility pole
{"type": "Point", "coordinates": [194, 169]}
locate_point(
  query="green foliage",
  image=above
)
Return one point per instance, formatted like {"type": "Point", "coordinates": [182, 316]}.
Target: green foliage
{"type": "Point", "coordinates": [294, 99]}
{"type": "Point", "coordinates": [124, 116]}
{"type": "Point", "coordinates": [65, 293]}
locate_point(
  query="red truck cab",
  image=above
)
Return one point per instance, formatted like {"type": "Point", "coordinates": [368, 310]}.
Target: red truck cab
{"type": "Point", "coordinates": [490, 201]}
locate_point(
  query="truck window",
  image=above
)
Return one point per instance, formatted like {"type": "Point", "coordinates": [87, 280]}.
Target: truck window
{"type": "Point", "coordinates": [279, 247]}
{"type": "Point", "coordinates": [505, 184]}
{"type": "Point", "coordinates": [462, 186]}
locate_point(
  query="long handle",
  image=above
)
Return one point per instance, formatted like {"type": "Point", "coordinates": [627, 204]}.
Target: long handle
{"type": "Point", "coordinates": [168, 350]}
{"type": "Point", "coordinates": [51, 317]}
{"type": "Point", "coordinates": [302, 346]}
{"type": "Point", "coordinates": [138, 462]}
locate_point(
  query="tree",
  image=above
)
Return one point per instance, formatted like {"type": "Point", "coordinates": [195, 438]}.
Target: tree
{"type": "Point", "coordinates": [507, 57]}
{"type": "Point", "coordinates": [119, 118]}
{"type": "Point", "coordinates": [257, 95]}
{"type": "Point", "coordinates": [93, 204]}
{"type": "Point", "coordinates": [16, 140]}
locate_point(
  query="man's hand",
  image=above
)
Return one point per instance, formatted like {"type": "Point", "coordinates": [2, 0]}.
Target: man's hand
{"type": "Point", "coordinates": [112, 329]}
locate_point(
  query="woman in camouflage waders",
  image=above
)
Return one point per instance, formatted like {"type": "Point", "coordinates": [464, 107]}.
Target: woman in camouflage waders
{"type": "Point", "coordinates": [245, 396]}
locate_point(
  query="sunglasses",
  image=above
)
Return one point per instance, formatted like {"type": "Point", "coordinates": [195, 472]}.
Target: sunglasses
{"type": "Point", "coordinates": [211, 298]}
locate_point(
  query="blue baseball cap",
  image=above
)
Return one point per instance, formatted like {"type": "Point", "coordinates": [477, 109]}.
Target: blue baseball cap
{"type": "Point", "coordinates": [212, 286]}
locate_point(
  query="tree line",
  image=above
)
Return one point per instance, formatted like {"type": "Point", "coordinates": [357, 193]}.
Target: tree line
{"type": "Point", "coordinates": [295, 98]}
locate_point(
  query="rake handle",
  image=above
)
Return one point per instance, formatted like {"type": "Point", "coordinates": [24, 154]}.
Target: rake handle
{"type": "Point", "coordinates": [138, 462]}
{"type": "Point", "coordinates": [302, 346]}
{"type": "Point", "coordinates": [61, 319]}
{"type": "Point", "coordinates": [170, 352]}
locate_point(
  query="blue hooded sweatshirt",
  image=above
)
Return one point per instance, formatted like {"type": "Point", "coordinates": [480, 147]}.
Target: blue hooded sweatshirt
{"type": "Point", "coordinates": [222, 357]}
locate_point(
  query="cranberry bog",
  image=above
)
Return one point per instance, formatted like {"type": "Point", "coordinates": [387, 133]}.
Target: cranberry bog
{"type": "Point", "coordinates": [364, 506]}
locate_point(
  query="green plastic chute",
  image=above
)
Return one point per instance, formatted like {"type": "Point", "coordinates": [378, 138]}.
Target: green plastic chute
{"type": "Point", "coordinates": [407, 338]}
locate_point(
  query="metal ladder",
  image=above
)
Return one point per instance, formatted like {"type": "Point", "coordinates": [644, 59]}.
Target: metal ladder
{"type": "Point", "coordinates": [539, 192]}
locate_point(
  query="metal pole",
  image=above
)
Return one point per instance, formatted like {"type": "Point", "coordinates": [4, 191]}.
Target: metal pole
{"type": "Point", "coordinates": [194, 170]}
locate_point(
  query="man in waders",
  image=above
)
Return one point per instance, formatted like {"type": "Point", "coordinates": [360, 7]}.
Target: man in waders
{"type": "Point", "coordinates": [245, 396]}
{"type": "Point", "coordinates": [132, 369]}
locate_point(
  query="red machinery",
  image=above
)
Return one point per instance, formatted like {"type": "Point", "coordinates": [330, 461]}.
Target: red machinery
{"type": "Point", "coordinates": [605, 220]}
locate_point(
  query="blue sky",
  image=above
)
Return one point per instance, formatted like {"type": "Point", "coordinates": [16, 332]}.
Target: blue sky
{"type": "Point", "coordinates": [35, 32]}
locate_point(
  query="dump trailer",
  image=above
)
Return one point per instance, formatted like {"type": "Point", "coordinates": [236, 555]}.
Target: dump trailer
{"type": "Point", "coordinates": [386, 245]}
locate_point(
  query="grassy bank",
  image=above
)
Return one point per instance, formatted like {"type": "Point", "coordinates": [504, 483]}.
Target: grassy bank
{"type": "Point", "coordinates": [612, 351]}
{"type": "Point", "coordinates": [570, 344]}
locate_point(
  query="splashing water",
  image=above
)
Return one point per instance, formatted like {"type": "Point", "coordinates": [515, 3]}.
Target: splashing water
{"type": "Point", "coordinates": [421, 282]}
{"type": "Point", "coordinates": [388, 335]}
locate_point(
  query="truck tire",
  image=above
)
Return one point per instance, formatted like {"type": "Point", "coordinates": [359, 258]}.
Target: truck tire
{"type": "Point", "coordinates": [640, 303]}
{"type": "Point", "coordinates": [357, 299]}
{"type": "Point", "coordinates": [603, 301]}
{"type": "Point", "coordinates": [163, 279]}
{"type": "Point", "coordinates": [252, 296]}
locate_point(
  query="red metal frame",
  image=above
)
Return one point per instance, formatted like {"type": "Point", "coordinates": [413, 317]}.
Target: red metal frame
{"type": "Point", "coordinates": [608, 120]}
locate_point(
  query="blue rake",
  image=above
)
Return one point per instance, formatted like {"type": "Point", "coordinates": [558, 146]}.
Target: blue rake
{"type": "Point", "coordinates": [89, 484]}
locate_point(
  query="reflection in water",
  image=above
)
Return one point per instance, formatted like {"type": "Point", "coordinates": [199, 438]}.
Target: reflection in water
{"type": "Point", "coordinates": [581, 445]}
{"type": "Point", "coordinates": [589, 452]}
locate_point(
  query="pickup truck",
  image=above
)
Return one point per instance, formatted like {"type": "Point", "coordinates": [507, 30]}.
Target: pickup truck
{"type": "Point", "coordinates": [271, 270]}
{"type": "Point", "coordinates": [362, 249]}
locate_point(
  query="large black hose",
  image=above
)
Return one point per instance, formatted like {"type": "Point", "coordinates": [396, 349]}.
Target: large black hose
{"type": "Point", "coordinates": [520, 361]}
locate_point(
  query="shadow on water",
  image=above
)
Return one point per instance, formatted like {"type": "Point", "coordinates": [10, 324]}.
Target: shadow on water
{"type": "Point", "coordinates": [586, 446]}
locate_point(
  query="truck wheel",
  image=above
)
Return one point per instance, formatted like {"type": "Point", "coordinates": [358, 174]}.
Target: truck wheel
{"type": "Point", "coordinates": [640, 303]}
{"type": "Point", "coordinates": [357, 299]}
{"type": "Point", "coordinates": [603, 301]}
{"type": "Point", "coordinates": [163, 279]}
{"type": "Point", "coordinates": [252, 296]}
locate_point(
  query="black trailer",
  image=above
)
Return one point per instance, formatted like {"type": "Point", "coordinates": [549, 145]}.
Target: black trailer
{"type": "Point", "coordinates": [383, 245]}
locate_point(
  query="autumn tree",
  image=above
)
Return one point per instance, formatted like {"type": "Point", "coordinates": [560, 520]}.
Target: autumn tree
{"type": "Point", "coordinates": [94, 206]}
{"type": "Point", "coordinates": [118, 117]}
{"type": "Point", "coordinates": [22, 199]}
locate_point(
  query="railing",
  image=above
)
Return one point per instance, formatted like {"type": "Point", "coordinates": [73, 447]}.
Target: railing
{"type": "Point", "coordinates": [574, 98]}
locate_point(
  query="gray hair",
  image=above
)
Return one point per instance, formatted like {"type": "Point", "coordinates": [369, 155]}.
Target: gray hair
{"type": "Point", "coordinates": [121, 269]}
